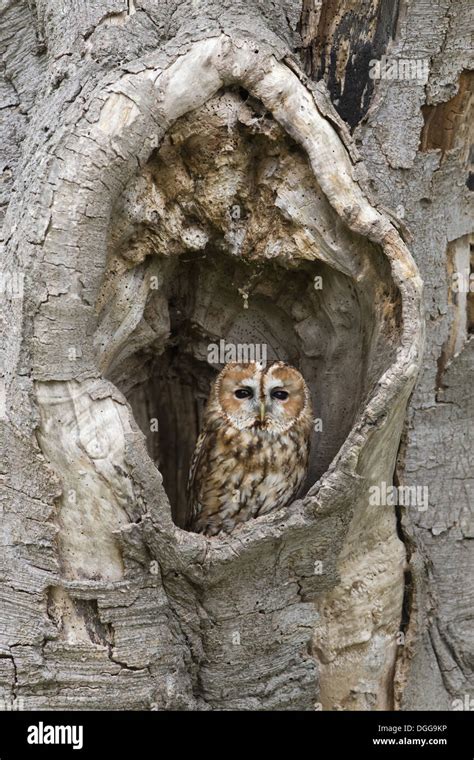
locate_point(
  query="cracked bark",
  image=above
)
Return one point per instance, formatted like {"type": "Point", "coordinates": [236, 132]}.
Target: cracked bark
{"type": "Point", "coordinates": [112, 127]}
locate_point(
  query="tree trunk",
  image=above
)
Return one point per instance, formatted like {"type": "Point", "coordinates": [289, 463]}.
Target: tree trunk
{"type": "Point", "coordinates": [197, 177]}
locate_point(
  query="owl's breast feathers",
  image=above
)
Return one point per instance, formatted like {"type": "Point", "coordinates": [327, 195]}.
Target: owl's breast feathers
{"type": "Point", "coordinates": [239, 474]}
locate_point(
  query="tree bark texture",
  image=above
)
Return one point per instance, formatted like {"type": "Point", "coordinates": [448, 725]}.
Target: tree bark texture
{"type": "Point", "coordinates": [176, 174]}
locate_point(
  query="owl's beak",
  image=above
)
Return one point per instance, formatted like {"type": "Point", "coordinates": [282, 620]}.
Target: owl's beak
{"type": "Point", "coordinates": [262, 411]}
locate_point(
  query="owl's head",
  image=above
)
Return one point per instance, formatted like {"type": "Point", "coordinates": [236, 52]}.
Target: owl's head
{"type": "Point", "coordinates": [272, 398]}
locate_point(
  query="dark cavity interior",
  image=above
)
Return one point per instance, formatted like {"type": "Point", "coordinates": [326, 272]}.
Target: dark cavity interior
{"type": "Point", "coordinates": [229, 219]}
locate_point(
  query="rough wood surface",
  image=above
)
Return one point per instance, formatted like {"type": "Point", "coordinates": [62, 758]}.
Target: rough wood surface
{"type": "Point", "coordinates": [106, 602]}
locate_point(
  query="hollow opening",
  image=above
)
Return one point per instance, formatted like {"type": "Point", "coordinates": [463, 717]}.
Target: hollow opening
{"type": "Point", "coordinates": [222, 248]}
{"type": "Point", "coordinates": [284, 318]}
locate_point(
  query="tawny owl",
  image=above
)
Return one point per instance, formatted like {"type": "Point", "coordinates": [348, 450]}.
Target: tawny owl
{"type": "Point", "coordinates": [252, 454]}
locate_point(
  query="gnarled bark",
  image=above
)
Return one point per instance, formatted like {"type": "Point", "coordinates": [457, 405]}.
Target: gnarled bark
{"type": "Point", "coordinates": [183, 182]}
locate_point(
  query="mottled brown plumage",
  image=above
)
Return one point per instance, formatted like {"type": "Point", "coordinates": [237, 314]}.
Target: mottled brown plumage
{"type": "Point", "coordinates": [252, 454]}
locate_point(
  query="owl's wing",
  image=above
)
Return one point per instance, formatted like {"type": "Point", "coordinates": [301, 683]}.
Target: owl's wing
{"type": "Point", "coordinates": [195, 474]}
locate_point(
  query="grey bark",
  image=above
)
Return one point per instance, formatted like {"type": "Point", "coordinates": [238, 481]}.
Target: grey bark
{"type": "Point", "coordinates": [130, 130]}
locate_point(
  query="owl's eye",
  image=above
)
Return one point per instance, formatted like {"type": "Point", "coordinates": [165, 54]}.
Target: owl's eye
{"type": "Point", "coordinates": [243, 393]}
{"type": "Point", "coordinates": [280, 395]}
